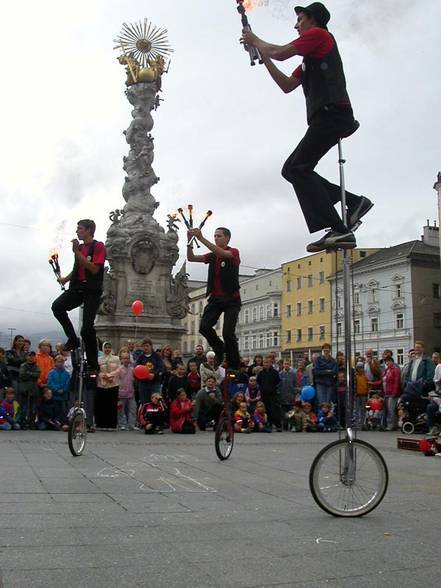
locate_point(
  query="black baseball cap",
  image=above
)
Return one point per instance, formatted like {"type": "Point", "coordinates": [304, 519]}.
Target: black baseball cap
{"type": "Point", "coordinates": [318, 11]}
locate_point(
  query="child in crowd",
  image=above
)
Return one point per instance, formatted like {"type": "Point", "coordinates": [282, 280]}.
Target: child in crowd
{"type": "Point", "coordinates": [361, 394]}
{"type": "Point", "coordinates": [252, 394]}
{"type": "Point", "coordinates": [375, 408]}
{"type": "Point", "coordinates": [236, 401]}
{"type": "Point", "coordinates": [260, 418]}
{"type": "Point", "coordinates": [297, 418]}
{"type": "Point", "coordinates": [28, 390]}
{"type": "Point", "coordinates": [44, 360]}
{"type": "Point", "coordinates": [326, 420]}
{"type": "Point", "coordinates": [177, 381]}
{"type": "Point", "coordinates": [311, 418]}
{"type": "Point", "coordinates": [126, 393]}
{"type": "Point", "coordinates": [9, 412]}
{"type": "Point", "coordinates": [243, 423]}
{"type": "Point", "coordinates": [181, 413]}
{"type": "Point", "coordinates": [151, 415]}
{"type": "Point", "coordinates": [47, 417]}
{"type": "Point", "coordinates": [58, 381]}
{"type": "Point", "coordinates": [194, 379]}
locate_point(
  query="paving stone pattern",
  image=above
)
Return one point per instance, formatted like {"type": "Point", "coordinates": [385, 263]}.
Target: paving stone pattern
{"type": "Point", "coordinates": [163, 511]}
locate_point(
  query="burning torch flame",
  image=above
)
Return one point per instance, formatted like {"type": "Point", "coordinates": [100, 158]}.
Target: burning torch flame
{"type": "Point", "coordinates": [252, 4]}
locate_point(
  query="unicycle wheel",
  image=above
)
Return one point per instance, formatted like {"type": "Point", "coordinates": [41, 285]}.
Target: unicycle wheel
{"type": "Point", "coordinates": [224, 438]}
{"type": "Point", "coordinates": [345, 487]}
{"type": "Point", "coordinates": [77, 433]}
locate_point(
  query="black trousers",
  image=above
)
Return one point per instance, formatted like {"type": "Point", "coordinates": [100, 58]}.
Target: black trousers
{"type": "Point", "coordinates": [106, 407]}
{"type": "Point", "coordinates": [230, 307]}
{"type": "Point", "coordinates": [74, 298]}
{"type": "Point", "coordinates": [273, 409]}
{"type": "Point", "coordinates": [316, 195]}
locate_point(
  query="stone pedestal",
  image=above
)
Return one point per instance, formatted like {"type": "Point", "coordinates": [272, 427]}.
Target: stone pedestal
{"type": "Point", "coordinates": [140, 252]}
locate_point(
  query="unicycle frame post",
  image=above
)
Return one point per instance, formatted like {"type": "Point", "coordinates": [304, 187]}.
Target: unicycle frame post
{"type": "Point", "coordinates": [347, 259]}
{"type": "Point", "coordinates": [78, 422]}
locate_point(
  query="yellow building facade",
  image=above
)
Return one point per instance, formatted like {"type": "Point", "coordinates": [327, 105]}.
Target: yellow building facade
{"type": "Point", "coordinates": [306, 301]}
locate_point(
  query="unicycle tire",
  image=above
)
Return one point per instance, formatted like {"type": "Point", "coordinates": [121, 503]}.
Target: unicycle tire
{"type": "Point", "coordinates": [224, 438]}
{"type": "Point", "coordinates": [340, 497]}
{"type": "Point", "coordinates": [77, 433]}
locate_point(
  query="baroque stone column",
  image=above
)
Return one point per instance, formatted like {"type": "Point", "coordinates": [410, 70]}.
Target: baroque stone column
{"type": "Point", "coordinates": [141, 254]}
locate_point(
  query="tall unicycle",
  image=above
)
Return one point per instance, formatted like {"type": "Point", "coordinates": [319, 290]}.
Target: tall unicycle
{"type": "Point", "coordinates": [224, 435]}
{"type": "Point", "coordinates": [77, 431]}
{"type": "Point", "coordinates": [349, 477]}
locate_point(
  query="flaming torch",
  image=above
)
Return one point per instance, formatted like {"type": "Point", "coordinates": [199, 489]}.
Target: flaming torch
{"type": "Point", "coordinates": [53, 260]}
{"type": "Point", "coordinates": [207, 216]}
{"type": "Point", "coordinates": [252, 51]}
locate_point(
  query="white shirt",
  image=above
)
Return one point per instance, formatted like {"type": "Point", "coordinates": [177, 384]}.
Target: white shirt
{"type": "Point", "coordinates": [437, 377]}
{"type": "Point", "coordinates": [415, 365]}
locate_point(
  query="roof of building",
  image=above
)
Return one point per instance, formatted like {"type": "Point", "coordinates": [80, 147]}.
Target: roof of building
{"type": "Point", "coordinates": [409, 249]}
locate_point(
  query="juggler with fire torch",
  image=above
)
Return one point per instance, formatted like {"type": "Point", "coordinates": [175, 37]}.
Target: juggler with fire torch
{"type": "Point", "coordinates": [330, 117]}
{"type": "Point", "coordinates": [223, 292]}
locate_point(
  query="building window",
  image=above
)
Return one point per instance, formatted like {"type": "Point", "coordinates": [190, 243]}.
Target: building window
{"type": "Point", "coordinates": [288, 310]}
{"type": "Point", "coordinates": [193, 310]}
{"type": "Point", "coordinates": [288, 285]}
{"type": "Point", "coordinates": [322, 305]}
{"type": "Point", "coordinates": [374, 325]}
{"type": "Point", "coordinates": [437, 319]}
{"type": "Point", "coordinates": [276, 338]}
{"type": "Point", "coordinates": [310, 333]}
{"type": "Point", "coordinates": [309, 280]}
{"type": "Point", "coordinates": [270, 284]}
{"type": "Point", "coordinates": [254, 314]}
{"type": "Point", "coordinates": [262, 313]}
{"type": "Point", "coordinates": [321, 277]}
{"type": "Point", "coordinates": [398, 291]}
{"type": "Point", "coordinates": [374, 295]}
{"type": "Point", "coordinates": [254, 342]}
{"type": "Point", "coordinates": [288, 336]}
{"type": "Point", "coordinates": [400, 320]}
{"type": "Point", "coordinates": [339, 329]}
{"type": "Point", "coordinates": [362, 254]}
{"type": "Point", "coordinates": [400, 356]}
{"type": "Point", "coordinates": [247, 316]}
{"type": "Point", "coordinates": [245, 342]}
{"type": "Point", "coordinates": [299, 335]}
{"type": "Point", "coordinates": [275, 309]}
{"type": "Point", "coordinates": [322, 332]}
{"type": "Point", "coordinates": [436, 291]}
{"type": "Point", "coordinates": [299, 283]}
{"type": "Point", "coordinates": [261, 341]}
{"type": "Point", "coordinates": [310, 305]}
{"type": "Point", "coordinates": [356, 297]}
{"type": "Point", "coordinates": [268, 339]}
{"type": "Point", "coordinates": [257, 286]}
{"type": "Point", "coordinates": [268, 311]}
{"type": "Point", "coordinates": [357, 327]}
{"type": "Point", "coordinates": [299, 308]}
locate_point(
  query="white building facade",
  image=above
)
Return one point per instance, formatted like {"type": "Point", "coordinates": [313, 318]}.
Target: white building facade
{"type": "Point", "coordinates": [259, 324]}
{"type": "Point", "coordinates": [396, 299]}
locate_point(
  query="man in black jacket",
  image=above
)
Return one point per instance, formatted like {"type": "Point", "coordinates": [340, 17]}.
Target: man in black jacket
{"type": "Point", "coordinates": [330, 117]}
{"type": "Point", "coordinates": [268, 380]}
{"type": "Point", "coordinates": [222, 292]}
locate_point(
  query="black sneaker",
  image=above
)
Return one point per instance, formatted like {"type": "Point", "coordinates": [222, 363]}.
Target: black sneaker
{"type": "Point", "coordinates": [355, 213]}
{"type": "Point", "coordinates": [333, 240]}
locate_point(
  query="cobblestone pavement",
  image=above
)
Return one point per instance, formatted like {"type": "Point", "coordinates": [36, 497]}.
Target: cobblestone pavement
{"type": "Point", "coordinates": [163, 511]}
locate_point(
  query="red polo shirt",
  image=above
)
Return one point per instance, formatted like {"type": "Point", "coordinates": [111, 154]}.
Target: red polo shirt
{"type": "Point", "coordinates": [99, 257]}
{"type": "Point", "coordinates": [217, 286]}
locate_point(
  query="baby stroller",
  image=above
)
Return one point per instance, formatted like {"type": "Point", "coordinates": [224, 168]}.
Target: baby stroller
{"type": "Point", "coordinates": [412, 409]}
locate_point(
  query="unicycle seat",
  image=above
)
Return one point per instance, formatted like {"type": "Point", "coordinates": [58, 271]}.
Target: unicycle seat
{"type": "Point", "coordinates": [351, 130]}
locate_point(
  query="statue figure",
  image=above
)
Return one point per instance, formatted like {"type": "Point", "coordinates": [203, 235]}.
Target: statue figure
{"type": "Point", "coordinates": [137, 74]}
{"type": "Point", "coordinates": [171, 222]}
{"type": "Point", "coordinates": [179, 301]}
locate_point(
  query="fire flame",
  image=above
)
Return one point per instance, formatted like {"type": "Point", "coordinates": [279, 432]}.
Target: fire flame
{"type": "Point", "coordinates": [252, 4]}
{"type": "Point", "coordinates": [53, 254]}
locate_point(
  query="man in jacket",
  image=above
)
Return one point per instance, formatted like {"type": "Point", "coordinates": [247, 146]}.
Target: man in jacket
{"type": "Point", "coordinates": [421, 368]}
{"type": "Point", "coordinates": [268, 381]}
{"type": "Point", "coordinates": [330, 117]}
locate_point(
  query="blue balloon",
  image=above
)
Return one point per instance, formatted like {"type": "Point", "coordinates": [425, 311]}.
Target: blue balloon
{"type": "Point", "coordinates": [307, 393]}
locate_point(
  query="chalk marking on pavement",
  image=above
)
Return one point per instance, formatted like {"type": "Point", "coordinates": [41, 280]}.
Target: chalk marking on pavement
{"type": "Point", "coordinates": [321, 540]}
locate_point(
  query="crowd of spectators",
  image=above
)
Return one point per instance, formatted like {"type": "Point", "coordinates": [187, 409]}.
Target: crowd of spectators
{"type": "Point", "coordinates": [267, 393]}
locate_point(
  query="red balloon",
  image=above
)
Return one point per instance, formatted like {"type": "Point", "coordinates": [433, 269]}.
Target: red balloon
{"type": "Point", "coordinates": [137, 307]}
{"type": "Point", "coordinates": [142, 372]}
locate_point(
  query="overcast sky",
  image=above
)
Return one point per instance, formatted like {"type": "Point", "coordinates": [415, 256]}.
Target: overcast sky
{"type": "Point", "coordinates": [221, 134]}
